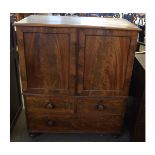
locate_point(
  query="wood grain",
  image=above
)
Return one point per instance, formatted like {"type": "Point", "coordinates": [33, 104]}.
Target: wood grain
{"type": "Point", "coordinates": [72, 123]}
{"type": "Point", "coordinates": [49, 58]}
{"type": "Point", "coordinates": [81, 22]}
{"type": "Point", "coordinates": [74, 114]}
{"type": "Point", "coordinates": [49, 104]}
{"type": "Point", "coordinates": [88, 105]}
{"type": "Point", "coordinates": [75, 72]}
{"type": "Point", "coordinates": [22, 60]}
{"type": "Point", "coordinates": [105, 62]}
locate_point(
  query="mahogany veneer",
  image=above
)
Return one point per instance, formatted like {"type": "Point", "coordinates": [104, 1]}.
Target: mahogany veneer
{"type": "Point", "coordinates": [75, 72]}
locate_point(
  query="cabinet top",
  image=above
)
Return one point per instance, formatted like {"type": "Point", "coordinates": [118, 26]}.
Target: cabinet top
{"type": "Point", "coordinates": [81, 22]}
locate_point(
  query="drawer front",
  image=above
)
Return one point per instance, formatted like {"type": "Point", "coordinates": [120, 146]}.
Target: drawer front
{"type": "Point", "coordinates": [102, 124]}
{"type": "Point", "coordinates": [100, 105]}
{"type": "Point", "coordinates": [49, 105]}
{"type": "Point", "coordinates": [50, 123]}
{"type": "Point", "coordinates": [75, 123]}
{"type": "Point", "coordinates": [79, 115]}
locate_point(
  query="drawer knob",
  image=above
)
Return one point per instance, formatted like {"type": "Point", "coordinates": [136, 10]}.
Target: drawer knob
{"type": "Point", "coordinates": [50, 123]}
{"type": "Point", "coordinates": [50, 105]}
{"type": "Point", "coordinates": [100, 106]}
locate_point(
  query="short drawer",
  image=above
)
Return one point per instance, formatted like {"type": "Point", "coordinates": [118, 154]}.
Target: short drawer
{"type": "Point", "coordinates": [46, 104]}
{"type": "Point", "coordinates": [100, 105]}
{"type": "Point", "coordinates": [50, 123]}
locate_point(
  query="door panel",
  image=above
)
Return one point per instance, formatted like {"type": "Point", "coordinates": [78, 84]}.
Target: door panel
{"type": "Point", "coordinates": [47, 60]}
{"type": "Point", "coordinates": [50, 60]}
{"type": "Point", "coordinates": [103, 62]}
{"type": "Point", "coordinates": [104, 68]}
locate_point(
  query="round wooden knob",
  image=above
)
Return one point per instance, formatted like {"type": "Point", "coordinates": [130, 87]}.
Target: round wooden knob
{"type": "Point", "coordinates": [50, 123]}
{"type": "Point", "coordinates": [100, 107]}
{"type": "Point", "coordinates": [50, 105]}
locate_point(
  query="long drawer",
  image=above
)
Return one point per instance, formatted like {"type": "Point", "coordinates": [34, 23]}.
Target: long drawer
{"type": "Point", "coordinates": [73, 123]}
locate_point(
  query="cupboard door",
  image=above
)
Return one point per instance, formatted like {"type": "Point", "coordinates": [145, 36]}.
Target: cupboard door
{"type": "Point", "coordinates": [47, 59]}
{"type": "Point", "coordinates": [105, 61]}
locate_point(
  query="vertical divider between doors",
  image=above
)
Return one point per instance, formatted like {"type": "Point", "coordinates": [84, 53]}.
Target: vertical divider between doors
{"type": "Point", "coordinates": [76, 76]}
{"type": "Point", "coordinates": [77, 62]}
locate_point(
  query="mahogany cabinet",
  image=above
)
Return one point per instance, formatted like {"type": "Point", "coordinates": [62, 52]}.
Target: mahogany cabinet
{"type": "Point", "coordinates": [75, 72]}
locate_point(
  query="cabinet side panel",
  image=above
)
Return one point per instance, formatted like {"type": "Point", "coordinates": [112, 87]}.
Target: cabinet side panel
{"type": "Point", "coordinates": [131, 57]}
{"type": "Point", "coordinates": [20, 50]}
